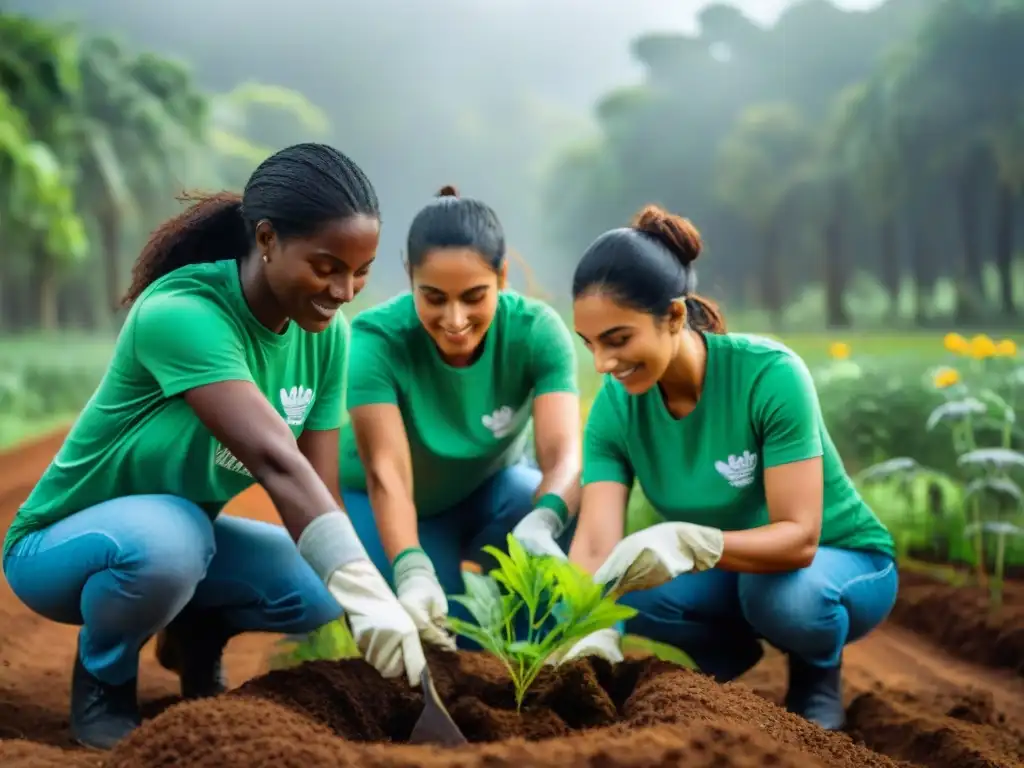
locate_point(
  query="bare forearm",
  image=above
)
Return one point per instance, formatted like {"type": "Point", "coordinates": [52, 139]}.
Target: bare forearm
{"type": "Point", "coordinates": [396, 520]}
{"type": "Point", "coordinates": [772, 548]}
{"type": "Point", "coordinates": [562, 478]}
{"type": "Point", "coordinates": [296, 490]}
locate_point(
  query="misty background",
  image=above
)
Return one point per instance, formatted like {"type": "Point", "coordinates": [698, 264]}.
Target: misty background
{"type": "Point", "coordinates": [758, 119]}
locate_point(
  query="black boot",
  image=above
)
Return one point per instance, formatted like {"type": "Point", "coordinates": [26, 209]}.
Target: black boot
{"type": "Point", "coordinates": [193, 645]}
{"type": "Point", "coordinates": [816, 694]}
{"type": "Point", "coordinates": [101, 714]}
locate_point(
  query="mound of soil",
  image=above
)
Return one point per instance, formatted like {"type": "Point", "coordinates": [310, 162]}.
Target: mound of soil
{"type": "Point", "coordinates": [637, 713]}
{"type": "Point", "coordinates": [959, 619]}
{"type": "Point", "coordinates": [970, 733]}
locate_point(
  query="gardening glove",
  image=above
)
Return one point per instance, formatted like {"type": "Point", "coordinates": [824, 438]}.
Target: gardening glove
{"type": "Point", "coordinates": [384, 632]}
{"type": "Point", "coordinates": [422, 597]}
{"type": "Point", "coordinates": [606, 643]}
{"type": "Point", "coordinates": [537, 532]}
{"type": "Point", "coordinates": [658, 554]}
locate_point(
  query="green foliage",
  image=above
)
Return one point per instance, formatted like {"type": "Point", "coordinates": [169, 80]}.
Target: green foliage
{"type": "Point", "coordinates": [331, 642]}
{"type": "Point", "coordinates": [545, 588]}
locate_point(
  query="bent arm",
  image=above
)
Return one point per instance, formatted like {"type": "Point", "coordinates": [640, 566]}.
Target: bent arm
{"type": "Point", "coordinates": [786, 411]}
{"type": "Point", "coordinates": [384, 451]}
{"type": "Point", "coordinates": [556, 427]}
{"type": "Point", "coordinates": [790, 540]}
{"type": "Point", "coordinates": [242, 419]}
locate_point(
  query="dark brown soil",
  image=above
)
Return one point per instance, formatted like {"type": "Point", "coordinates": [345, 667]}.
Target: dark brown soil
{"type": "Point", "coordinates": [606, 712]}
{"type": "Point", "coordinates": [959, 619]}
{"type": "Point", "coordinates": [909, 700]}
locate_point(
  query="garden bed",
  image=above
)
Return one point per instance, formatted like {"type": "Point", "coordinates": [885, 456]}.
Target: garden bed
{"type": "Point", "coordinates": [958, 619]}
{"type": "Point", "coordinates": [643, 712]}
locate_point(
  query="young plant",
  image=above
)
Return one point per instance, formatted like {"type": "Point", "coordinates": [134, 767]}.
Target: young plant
{"type": "Point", "coordinates": [545, 589]}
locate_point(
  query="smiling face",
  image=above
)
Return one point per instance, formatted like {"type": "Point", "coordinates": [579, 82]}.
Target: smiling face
{"type": "Point", "coordinates": [456, 295]}
{"type": "Point", "coordinates": [311, 277]}
{"type": "Point", "coordinates": [635, 347]}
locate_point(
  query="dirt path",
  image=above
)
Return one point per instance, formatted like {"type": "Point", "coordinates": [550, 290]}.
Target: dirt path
{"type": "Point", "coordinates": [909, 699]}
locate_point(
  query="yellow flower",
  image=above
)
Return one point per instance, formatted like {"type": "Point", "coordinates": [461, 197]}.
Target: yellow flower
{"type": "Point", "coordinates": [982, 346]}
{"type": "Point", "coordinates": [956, 343]}
{"type": "Point", "coordinates": [1006, 348]}
{"type": "Point", "coordinates": [946, 377]}
{"type": "Point", "coordinates": [839, 350]}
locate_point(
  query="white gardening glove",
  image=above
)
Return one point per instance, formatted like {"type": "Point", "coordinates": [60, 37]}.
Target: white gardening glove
{"type": "Point", "coordinates": [384, 632]}
{"type": "Point", "coordinates": [658, 554]}
{"type": "Point", "coordinates": [421, 595]}
{"type": "Point", "coordinates": [606, 643]}
{"type": "Point", "coordinates": [537, 531]}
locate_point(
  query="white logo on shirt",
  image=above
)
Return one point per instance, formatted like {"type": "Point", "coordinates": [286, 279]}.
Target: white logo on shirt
{"type": "Point", "coordinates": [295, 402]}
{"type": "Point", "coordinates": [739, 471]}
{"type": "Point", "coordinates": [500, 422]}
{"type": "Point", "coordinates": [226, 459]}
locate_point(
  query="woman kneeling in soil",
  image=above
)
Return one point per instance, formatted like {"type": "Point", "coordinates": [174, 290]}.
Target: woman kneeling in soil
{"type": "Point", "coordinates": [448, 376]}
{"type": "Point", "coordinates": [227, 372]}
{"type": "Point", "coordinates": [769, 537]}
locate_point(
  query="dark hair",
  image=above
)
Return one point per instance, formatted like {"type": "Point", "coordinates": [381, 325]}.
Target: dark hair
{"type": "Point", "coordinates": [298, 190]}
{"type": "Point", "coordinates": [451, 221]}
{"type": "Point", "coordinates": [647, 265]}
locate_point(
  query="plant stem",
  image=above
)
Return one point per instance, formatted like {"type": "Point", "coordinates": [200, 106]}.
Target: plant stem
{"type": "Point", "coordinates": [996, 589]}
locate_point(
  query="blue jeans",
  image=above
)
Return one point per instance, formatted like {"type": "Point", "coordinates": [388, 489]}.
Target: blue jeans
{"type": "Point", "coordinates": [719, 617]}
{"type": "Point", "coordinates": [123, 569]}
{"type": "Point", "coordinates": [485, 517]}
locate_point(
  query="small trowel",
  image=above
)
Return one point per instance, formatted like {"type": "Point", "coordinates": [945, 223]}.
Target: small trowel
{"type": "Point", "coordinates": [435, 725]}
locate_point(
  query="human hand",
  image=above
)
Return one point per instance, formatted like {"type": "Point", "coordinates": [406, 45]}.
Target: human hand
{"type": "Point", "coordinates": [658, 554]}
{"type": "Point", "coordinates": [420, 593]}
{"type": "Point", "coordinates": [385, 633]}
{"type": "Point", "coordinates": [537, 531]}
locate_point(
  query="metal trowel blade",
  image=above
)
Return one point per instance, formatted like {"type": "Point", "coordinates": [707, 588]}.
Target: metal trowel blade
{"type": "Point", "coordinates": [435, 725]}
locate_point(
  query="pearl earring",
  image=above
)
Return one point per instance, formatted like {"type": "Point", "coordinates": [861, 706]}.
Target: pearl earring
{"type": "Point", "coordinates": [264, 258]}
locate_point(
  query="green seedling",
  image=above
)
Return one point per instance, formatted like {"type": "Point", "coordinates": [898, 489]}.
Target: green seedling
{"type": "Point", "coordinates": [545, 588]}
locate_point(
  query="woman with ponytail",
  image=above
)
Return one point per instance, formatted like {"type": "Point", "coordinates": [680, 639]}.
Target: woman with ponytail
{"type": "Point", "coordinates": [227, 372]}
{"type": "Point", "coordinates": [765, 536]}
{"type": "Point", "coordinates": [434, 462]}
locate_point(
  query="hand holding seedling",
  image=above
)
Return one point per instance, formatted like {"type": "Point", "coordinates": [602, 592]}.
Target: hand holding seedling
{"type": "Point", "coordinates": [545, 588]}
{"type": "Point", "coordinates": [658, 554]}
{"type": "Point", "coordinates": [422, 597]}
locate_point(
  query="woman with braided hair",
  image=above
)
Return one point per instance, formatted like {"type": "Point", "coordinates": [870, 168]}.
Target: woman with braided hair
{"type": "Point", "coordinates": [765, 536]}
{"type": "Point", "coordinates": [228, 371]}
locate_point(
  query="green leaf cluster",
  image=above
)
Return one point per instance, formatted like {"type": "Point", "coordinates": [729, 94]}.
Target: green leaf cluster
{"type": "Point", "coordinates": [545, 588]}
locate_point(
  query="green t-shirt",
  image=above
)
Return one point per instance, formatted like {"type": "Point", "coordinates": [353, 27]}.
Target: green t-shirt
{"type": "Point", "coordinates": [759, 409]}
{"type": "Point", "coordinates": [136, 435]}
{"type": "Point", "coordinates": [462, 424]}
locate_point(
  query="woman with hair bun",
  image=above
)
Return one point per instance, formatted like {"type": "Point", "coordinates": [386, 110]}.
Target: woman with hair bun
{"type": "Point", "coordinates": [449, 375]}
{"type": "Point", "coordinates": [765, 536]}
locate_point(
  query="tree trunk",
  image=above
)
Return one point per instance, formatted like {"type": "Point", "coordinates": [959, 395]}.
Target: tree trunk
{"type": "Point", "coordinates": [919, 271]}
{"type": "Point", "coordinates": [771, 285]}
{"type": "Point", "coordinates": [890, 271]}
{"type": "Point", "coordinates": [1004, 244]}
{"type": "Point", "coordinates": [110, 240]}
{"type": "Point", "coordinates": [836, 315]}
{"type": "Point", "coordinates": [45, 279]}
{"type": "Point", "coordinates": [970, 288]}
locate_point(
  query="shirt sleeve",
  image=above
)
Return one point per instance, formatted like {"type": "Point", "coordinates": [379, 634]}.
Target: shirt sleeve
{"type": "Point", "coordinates": [185, 342]}
{"type": "Point", "coordinates": [372, 379]}
{"type": "Point", "coordinates": [787, 413]}
{"type": "Point", "coordinates": [552, 355]}
{"type": "Point", "coordinates": [329, 405]}
{"type": "Point", "coordinates": [604, 444]}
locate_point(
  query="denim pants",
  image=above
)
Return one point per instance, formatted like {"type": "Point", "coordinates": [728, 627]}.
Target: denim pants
{"type": "Point", "coordinates": [123, 569]}
{"type": "Point", "coordinates": [719, 617]}
{"type": "Point", "coordinates": [485, 517]}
